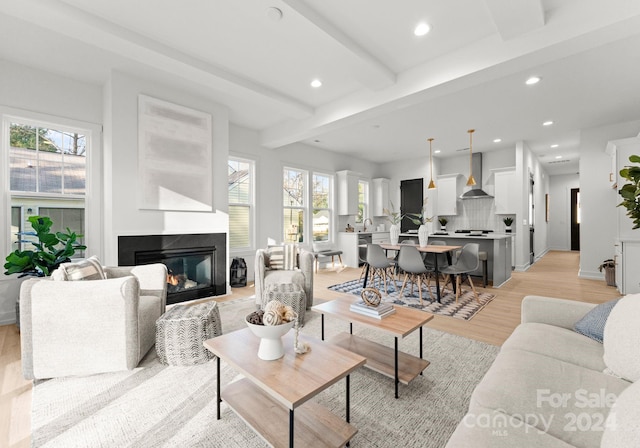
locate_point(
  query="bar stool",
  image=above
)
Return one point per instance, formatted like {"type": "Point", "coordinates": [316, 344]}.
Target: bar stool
{"type": "Point", "coordinates": [482, 256]}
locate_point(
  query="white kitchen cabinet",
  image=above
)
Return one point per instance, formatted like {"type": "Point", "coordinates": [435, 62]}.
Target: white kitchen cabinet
{"type": "Point", "coordinates": [449, 188]}
{"type": "Point", "coordinates": [380, 196]}
{"type": "Point", "coordinates": [627, 261]}
{"type": "Point", "coordinates": [505, 192]}
{"type": "Point", "coordinates": [627, 246]}
{"type": "Point", "coordinates": [348, 192]}
{"type": "Point", "coordinates": [380, 237]}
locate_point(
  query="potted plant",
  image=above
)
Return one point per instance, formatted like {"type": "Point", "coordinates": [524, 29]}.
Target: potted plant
{"type": "Point", "coordinates": [443, 223]}
{"type": "Point", "coordinates": [50, 250]}
{"type": "Point", "coordinates": [394, 218]}
{"type": "Point", "coordinates": [631, 191]}
{"type": "Point", "coordinates": [507, 222]}
{"type": "Point", "coordinates": [609, 267]}
{"type": "Point", "coordinates": [421, 219]}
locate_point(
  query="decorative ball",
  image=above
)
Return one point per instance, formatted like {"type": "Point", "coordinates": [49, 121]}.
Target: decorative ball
{"type": "Point", "coordinates": [371, 296]}
{"type": "Point", "coordinates": [255, 317]}
{"type": "Point", "coordinates": [288, 314]}
{"type": "Point", "coordinates": [271, 317]}
{"type": "Point", "coordinates": [274, 305]}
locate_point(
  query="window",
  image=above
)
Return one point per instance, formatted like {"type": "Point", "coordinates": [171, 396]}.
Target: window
{"type": "Point", "coordinates": [363, 201]}
{"type": "Point", "coordinates": [322, 200]}
{"type": "Point", "coordinates": [241, 204]}
{"type": "Point", "coordinates": [47, 176]}
{"type": "Point", "coordinates": [294, 204]}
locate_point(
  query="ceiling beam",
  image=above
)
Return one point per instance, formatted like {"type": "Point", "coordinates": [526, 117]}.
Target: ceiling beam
{"type": "Point", "coordinates": [70, 21]}
{"type": "Point", "coordinates": [516, 17]}
{"type": "Point", "coordinates": [373, 74]}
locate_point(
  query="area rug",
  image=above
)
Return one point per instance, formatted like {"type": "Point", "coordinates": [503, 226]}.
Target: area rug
{"type": "Point", "coordinates": [165, 406]}
{"type": "Point", "coordinates": [465, 308]}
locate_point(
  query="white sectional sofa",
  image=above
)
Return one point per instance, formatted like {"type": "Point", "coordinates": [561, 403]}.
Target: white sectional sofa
{"type": "Point", "coordinates": [547, 386]}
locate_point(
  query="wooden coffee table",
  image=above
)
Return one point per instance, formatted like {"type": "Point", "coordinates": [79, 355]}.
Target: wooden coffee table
{"type": "Point", "coordinates": [270, 388]}
{"type": "Point", "coordinates": [400, 366]}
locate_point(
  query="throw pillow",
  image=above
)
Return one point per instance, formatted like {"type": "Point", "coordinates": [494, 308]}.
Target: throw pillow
{"type": "Point", "coordinates": [621, 429]}
{"type": "Point", "coordinates": [622, 338]}
{"type": "Point", "coordinates": [89, 269]}
{"type": "Point", "coordinates": [283, 256]}
{"type": "Point", "coordinates": [592, 324]}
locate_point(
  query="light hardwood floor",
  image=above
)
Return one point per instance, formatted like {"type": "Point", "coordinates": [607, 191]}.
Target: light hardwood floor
{"type": "Point", "coordinates": [555, 275]}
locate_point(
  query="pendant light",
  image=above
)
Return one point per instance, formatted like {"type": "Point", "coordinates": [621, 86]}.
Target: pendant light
{"type": "Point", "coordinates": [471, 181]}
{"type": "Point", "coordinates": [432, 184]}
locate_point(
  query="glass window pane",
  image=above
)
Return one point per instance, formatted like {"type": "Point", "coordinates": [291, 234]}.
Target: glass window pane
{"type": "Point", "coordinates": [50, 165]}
{"type": "Point", "coordinates": [321, 191]}
{"type": "Point", "coordinates": [16, 226]}
{"type": "Point", "coordinates": [293, 188]}
{"type": "Point", "coordinates": [239, 182]}
{"type": "Point", "coordinates": [239, 227]}
{"type": "Point", "coordinates": [47, 160]}
{"type": "Point", "coordinates": [293, 224]}
{"type": "Point", "coordinates": [23, 166]}
{"type": "Point", "coordinates": [63, 218]}
{"type": "Point", "coordinates": [321, 221]}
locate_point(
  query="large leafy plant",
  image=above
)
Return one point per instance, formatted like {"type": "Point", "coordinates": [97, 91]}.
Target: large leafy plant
{"type": "Point", "coordinates": [51, 249]}
{"type": "Point", "coordinates": [631, 192]}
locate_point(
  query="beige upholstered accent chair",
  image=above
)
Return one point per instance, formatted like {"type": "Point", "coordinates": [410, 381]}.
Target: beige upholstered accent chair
{"type": "Point", "coordinates": [73, 328]}
{"type": "Point", "coordinates": [301, 274]}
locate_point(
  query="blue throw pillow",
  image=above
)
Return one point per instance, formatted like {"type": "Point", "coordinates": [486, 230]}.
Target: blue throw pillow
{"type": "Point", "coordinates": [592, 324]}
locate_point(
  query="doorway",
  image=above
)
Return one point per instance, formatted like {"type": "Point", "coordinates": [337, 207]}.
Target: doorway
{"type": "Point", "coordinates": [532, 214]}
{"type": "Point", "coordinates": [575, 219]}
{"type": "Point", "coordinates": [410, 202]}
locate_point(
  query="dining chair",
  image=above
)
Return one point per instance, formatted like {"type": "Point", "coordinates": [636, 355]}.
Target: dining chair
{"type": "Point", "coordinates": [380, 266]}
{"type": "Point", "coordinates": [410, 262]}
{"type": "Point", "coordinates": [466, 263]}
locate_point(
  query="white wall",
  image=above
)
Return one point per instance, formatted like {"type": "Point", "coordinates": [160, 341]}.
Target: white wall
{"type": "Point", "coordinates": [598, 199]}
{"type": "Point", "coordinates": [122, 215]}
{"type": "Point", "coordinates": [560, 210]}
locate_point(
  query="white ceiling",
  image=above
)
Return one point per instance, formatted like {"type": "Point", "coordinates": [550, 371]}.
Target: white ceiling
{"type": "Point", "coordinates": [385, 91]}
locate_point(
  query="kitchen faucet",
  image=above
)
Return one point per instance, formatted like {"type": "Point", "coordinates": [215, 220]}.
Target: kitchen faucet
{"type": "Point", "coordinates": [365, 224]}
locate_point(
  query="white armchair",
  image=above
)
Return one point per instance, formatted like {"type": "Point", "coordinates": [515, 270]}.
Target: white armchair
{"type": "Point", "coordinates": [301, 276]}
{"type": "Point", "coordinates": [86, 327]}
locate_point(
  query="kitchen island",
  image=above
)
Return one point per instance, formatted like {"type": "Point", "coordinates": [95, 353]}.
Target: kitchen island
{"type": "Point", "coordinates": [496, 245]}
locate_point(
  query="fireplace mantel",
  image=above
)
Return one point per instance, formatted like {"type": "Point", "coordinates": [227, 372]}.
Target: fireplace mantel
{"type": "Point", "coordinates": [206, 252]}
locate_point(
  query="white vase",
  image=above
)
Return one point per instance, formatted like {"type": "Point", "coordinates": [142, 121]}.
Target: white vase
{"type": "Point", "coordinates": [394, 234]}
{"type": "Point", "coordinates": [423, 235]}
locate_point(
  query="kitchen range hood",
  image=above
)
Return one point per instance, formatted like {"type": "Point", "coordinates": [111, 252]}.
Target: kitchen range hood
{"type": "Point", "coordinates": [476, 191]}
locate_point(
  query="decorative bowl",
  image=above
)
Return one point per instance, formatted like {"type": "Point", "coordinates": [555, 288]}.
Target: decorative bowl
{"type": "Point", "coordinates": [271, 347]}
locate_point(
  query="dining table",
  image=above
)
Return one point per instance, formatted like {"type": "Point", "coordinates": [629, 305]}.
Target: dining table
{"type": "Point", "coordinates": [429, 249]}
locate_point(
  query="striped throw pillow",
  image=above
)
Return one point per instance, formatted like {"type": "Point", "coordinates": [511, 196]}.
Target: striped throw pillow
{"type": "Point", "coordinates": [89, 269]}
{"type": "Point", "coordinates": [283, 256]}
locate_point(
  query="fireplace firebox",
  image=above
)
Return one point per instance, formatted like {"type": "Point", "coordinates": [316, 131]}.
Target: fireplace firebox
{"type": "Point", "coordinates": [196, 263]}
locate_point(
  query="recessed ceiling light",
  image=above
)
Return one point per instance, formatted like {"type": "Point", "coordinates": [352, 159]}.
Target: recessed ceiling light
{"type": "Point", "coordinates": [421, 29]}
{"type": "Point", "coordinates": [316, 141]}
{"type": "Point", "coordinates": [533, 80]}
{"type": "Point", "coordinates": [437, 151]}
{"type": "Point", "coordinates": [547, 123]}
{"type": "Point", "coordinates": [316, 83]}
{"type": "Point", "coordinates": [555, 145]}
{"type": "Point", "coordinates": [558, 157]}
{"type": "Point", "coordinates": [497, 140]}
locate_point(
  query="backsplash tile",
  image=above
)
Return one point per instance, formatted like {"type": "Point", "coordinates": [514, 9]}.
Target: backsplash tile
{"type": "Point", "coordinates": [477, 214]}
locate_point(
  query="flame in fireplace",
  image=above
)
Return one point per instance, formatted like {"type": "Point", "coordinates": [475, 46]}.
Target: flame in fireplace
{"type": "Point", "coordinates": [172, 279]}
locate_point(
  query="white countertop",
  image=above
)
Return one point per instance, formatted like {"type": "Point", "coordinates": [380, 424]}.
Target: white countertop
{"type": "Point", "coordinates": [487, 236]}
{"type": "Point", "coordinates": [368, 232]}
